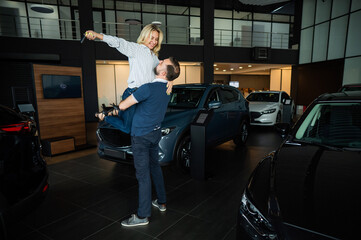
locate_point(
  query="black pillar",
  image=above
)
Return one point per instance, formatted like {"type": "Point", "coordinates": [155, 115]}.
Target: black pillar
{"type": "Point", "coordinates": [207, 35]}
{"type": "Point", "coordinates": [88, 58]}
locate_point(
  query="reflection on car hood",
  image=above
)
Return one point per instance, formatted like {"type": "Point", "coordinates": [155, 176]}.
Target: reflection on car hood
{"type": "Point", "coordinates": [261, 106]}
{"type": "Point", "coordinates": [178, 117]}
{"type": "Point", "coordinates": [319, 189]}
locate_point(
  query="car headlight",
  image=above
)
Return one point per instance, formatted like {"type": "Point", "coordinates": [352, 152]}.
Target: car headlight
{"type": "Point", "coordinates": [255, 218]}
{"type": "Point", "coordinates": [268, 111]}
{"type": "Point", "coordinates": [165, 131]}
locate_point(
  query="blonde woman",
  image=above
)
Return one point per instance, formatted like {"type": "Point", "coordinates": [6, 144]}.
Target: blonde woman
{"type": "Point", "coordinates": [143, 59]}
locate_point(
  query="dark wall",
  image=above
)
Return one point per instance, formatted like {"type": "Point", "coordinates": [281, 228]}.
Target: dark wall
{"type": "Point", "coordinates": [311, 80]}
{"type": "Point", "coordinates": [19, 76]}
{"type": "Point", "coordinates": [276, 56]}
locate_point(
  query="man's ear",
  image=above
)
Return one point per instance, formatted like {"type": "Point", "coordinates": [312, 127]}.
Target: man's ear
{"type": "Point", "coordinates": [163, 73]}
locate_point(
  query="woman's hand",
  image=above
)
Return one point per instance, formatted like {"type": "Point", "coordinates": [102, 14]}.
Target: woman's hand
{"type": "Point", "coordinates": [169, 87]}
{"type": "Point", "coordinates": [91, 35]}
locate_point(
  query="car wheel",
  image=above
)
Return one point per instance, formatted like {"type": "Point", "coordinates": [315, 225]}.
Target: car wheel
{"type": "Point", "coordinates": [278, 118]}
{"type": "Point", "coordinates": [183, 154]}
{"type": "Point", "coordinates": [242, 136]}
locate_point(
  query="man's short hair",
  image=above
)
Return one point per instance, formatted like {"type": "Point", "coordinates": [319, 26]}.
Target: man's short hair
{"type": "Point", "coordinates": [173, 70]}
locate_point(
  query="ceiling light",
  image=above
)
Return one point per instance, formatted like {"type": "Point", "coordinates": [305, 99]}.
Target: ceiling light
{"type": "Point", "coordinates": [217, 68]}
{"type": "Point", "coordinates": [232, 69]}
{"type": "Point", "coordinates": [249, 65]}
{"type": "Point", "coordinates": [158, 23]}
{"type": "Point", "coordinates": [40, 8]}
{"type": "Point", "coordinates": [240, 67]}
{"type": "Point", "coordinates": [133, 21]}
{"type": "Point", "coordinates": [224, 70]}
{"type": "Point", "coordinates": [214, 65]}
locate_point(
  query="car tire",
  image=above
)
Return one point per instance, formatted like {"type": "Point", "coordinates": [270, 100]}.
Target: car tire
{"type": "Point", "coordinates": [183, 154]}
{"type": "Point", "coordinates": [242, 136]}
{"type": "Point", "coordinates": [278, 118]}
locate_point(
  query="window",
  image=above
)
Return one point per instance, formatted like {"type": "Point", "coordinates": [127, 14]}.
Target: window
{"type": "Point", "coordinates": [228, 96]}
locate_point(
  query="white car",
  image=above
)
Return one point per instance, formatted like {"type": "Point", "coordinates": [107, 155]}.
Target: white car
{"type": "Point", "coordinates": [269, 107]}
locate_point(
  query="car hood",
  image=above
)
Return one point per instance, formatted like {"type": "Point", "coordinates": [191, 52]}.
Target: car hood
{"type": "Point", "coordinates": [178, 117]}
{"type": "Point", "coordinates": [260, 106]}
{"type": "Point", "coordinates": [318, 189]}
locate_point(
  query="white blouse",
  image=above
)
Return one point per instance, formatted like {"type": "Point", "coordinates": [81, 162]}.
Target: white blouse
{"type": "Point", "coordinates": [142, 60]}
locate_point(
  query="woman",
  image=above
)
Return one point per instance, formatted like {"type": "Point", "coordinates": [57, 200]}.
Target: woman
{"type": "Point", "coordinates": [143, 58]}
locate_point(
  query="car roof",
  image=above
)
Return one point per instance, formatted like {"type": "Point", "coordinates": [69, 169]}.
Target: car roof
{"type": "Point", "coordinates": [340, 96]}
{"type": "Point", "coordinates": [201, 85]}
{"type": "Point", "coordinates": [266, 91]}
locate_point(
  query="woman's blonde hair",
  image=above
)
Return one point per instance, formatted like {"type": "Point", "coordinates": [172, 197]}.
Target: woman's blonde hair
{"type": "Point", "coordinates": [146, 32]}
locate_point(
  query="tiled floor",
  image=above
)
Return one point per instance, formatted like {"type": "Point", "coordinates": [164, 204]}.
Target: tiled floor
{"type": "Point", "coordinates": [88, 198]}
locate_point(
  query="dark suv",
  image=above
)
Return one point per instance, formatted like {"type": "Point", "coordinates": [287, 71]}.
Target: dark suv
{"type": "Point", "coordinates": [309, 188]}
{"type": "Point", "coordinates": [230, 121]}
{"type": "Point", "coordinates": [23, 172]}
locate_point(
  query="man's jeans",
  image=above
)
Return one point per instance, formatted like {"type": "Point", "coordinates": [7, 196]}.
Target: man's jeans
{"type": "Point", "coordinates": [123, 121]}
{"type": "Point", "coordinates": [145, 152]}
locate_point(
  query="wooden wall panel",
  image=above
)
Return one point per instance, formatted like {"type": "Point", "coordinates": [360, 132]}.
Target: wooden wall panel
{"type": "Point", "coordinates": [60, 117]}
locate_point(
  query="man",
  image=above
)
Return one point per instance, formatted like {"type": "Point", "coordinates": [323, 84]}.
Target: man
{"type": "Point", "coordinates": [152, 101]}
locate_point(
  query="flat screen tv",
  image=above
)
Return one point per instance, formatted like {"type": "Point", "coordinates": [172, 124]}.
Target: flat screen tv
{"type": "Point", "coordinates": [61, 86]}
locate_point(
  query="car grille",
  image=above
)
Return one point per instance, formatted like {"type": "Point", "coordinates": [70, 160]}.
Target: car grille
{"type": "Point", "coordinates": [114, 137]}
{"type": "Point", "coordinates": [255, 115]}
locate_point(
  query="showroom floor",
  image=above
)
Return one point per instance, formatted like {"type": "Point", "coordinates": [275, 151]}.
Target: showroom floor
{"type": "Point", "coordinates": [89, 197]}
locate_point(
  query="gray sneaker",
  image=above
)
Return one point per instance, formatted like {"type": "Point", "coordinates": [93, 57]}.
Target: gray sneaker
{"type": "Point", "coordinates": [161, 207]}
{"type": "Point", "coordinates": [134, 221]}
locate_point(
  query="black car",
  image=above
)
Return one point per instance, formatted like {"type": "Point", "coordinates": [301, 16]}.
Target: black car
{"type": "Point", "coordinates": [350, 87]}
{"type": "Point", "coordinates": [310, 187]}
{"type": "Point", "coordinates": [23, 172]}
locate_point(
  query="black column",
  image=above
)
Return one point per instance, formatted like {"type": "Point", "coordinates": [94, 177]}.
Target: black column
{"type": "Point", "coordinates": [88, 58]}
{"type": "Point", "coordinates": [207, 35]}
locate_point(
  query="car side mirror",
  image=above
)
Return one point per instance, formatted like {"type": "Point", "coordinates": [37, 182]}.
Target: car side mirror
{"type": "Point", "coordinates": [287, 101]}
{"type": "Point", "coordinates": [283, 129]}
{"type": "Point", "coordinates": [214, 104]}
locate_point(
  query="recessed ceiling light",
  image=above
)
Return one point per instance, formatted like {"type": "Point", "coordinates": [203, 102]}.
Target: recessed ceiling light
{"type": "Point", "coordinates": [214, 65]}
{"type": "Point", "coordinates": [224, 70]}
{"type": "Point", "coordinates": [231, 69]}
{"type": "Point", "coordinates": [240, 67]}
{"type": "Point", "coordinates": [249, 65]}
{"type": "Point", "coordinates": [217, 68]}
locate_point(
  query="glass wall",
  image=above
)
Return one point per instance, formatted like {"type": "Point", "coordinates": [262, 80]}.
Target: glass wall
{"type": "Point", "coordinates": [333, 33]}
{"type": "Point", "coordinates": [180, 24]}
{"type": "Point", "coordinates": [19, 19]}
{"type": "Point", "coordinates": [245, 29]}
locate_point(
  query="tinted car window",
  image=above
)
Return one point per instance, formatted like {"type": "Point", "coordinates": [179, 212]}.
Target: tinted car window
{"type": "Point", "coordinates": [335, 124]}
{"type": "Point", "coordinates": [227, 96]}
{"type": "Point", "coordinates": [8, 116]}
{"type": "Point", "coordinates": [186, 97]}
{"type": "Point", "coordinates": [213, 96]}
{"type": "Point", "coordinates": [263, 97]}
{"type": "Point", "coordinates": [350, 88]}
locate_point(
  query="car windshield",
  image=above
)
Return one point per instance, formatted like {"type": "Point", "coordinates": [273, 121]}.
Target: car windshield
{"type": "Point", "coordinates": [351, 88]}
{"type": "Point", "coordinates": [186, 97]}
{"type": "Point", "coordinates": [263, 97]}
{"type": "Point", "coordinates": [332, 124]}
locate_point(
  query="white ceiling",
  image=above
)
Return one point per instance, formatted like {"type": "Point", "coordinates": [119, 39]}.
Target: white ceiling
{"type": "Point", "coordinates": [246, 68]}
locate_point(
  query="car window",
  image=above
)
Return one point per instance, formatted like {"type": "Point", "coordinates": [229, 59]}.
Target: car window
{"type": "Point", "coordinates": [186, 97]}
{"type": "Point", "coordinates": [263, 97]}
{"type": "Point", "coordinates": [8, 116]}
{"type": "Point", "coordinates": [227, 96]}
{"type": "Point", "coordinates": [336, 124]}
{"type": "Point", "coordinates": [213, 96]}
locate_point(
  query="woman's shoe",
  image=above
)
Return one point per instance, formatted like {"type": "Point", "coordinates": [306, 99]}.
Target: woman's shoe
{"type": "Point", "coordinates": [100, 115]}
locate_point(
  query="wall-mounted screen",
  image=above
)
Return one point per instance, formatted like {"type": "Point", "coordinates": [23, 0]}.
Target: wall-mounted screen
{"type": "Point", "coordinates": [234, 84]}
{"type": "Point", "coordinates": [61, 86]}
